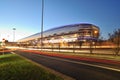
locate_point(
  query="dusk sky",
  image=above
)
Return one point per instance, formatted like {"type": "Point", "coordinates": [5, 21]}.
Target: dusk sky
{"type": "Point", "coordinates": [25, 15]}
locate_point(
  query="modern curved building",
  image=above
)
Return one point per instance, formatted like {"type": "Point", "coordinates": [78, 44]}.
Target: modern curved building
{"type": "Point", "coordinates": [64, 35]}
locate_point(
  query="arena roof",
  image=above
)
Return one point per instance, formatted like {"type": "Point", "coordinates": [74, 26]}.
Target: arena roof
{"type": "Point", "coordinates": [61, 29]}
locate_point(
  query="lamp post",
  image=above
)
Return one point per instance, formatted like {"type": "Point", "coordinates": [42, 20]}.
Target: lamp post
{"type": "Point", "coordinates": [14, 34]}
{"type": "Point", "coordinates": [42, 23]}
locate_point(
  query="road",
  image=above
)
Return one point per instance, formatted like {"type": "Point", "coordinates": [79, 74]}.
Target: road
{"type": "Point", "coordinates": [78, 70]}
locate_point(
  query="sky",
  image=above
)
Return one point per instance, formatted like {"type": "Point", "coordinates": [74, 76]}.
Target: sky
{"type": "Point", "coordinates": [25, 16]}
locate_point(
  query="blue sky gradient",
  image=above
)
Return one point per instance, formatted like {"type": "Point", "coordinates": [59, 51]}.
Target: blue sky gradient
{"type": "Point", "coordinates": [25, 15]}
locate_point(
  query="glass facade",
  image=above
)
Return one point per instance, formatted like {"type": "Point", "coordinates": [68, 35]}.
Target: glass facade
{"type": "Point", "coordinates": [65, 34]}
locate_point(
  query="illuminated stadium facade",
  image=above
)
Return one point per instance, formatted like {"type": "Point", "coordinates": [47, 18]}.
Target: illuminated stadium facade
{"type": "Point", "coordinates": [64, 36]}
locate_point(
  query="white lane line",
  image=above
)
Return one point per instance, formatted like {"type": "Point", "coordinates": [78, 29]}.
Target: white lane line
{"type": "Point", "coordinates": [13, 52]}
{"type": "Point", "coordinates": [92, 65]}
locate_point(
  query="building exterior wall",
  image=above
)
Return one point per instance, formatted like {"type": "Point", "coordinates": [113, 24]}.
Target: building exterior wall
{"type": "Point", "coordinates": [65, 36]}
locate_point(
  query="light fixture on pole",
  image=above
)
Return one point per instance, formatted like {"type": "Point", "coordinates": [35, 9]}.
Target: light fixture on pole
{"type": "Point", "coordinates": [14, 34]}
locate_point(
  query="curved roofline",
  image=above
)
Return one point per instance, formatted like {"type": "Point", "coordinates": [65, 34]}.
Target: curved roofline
{"type": "Point", "coordinates": [69, 26]}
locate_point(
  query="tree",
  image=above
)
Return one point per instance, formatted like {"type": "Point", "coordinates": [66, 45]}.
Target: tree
{"type": "Point", "coordinates": [115, 38]}
{"type": "Point", "coordinates": [91, 46]}
{"type": "Point", "coordinates": [100, 40]}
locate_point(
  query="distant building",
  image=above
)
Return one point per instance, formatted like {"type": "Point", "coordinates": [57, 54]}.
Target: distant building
{"type": "Point", "coordinates": [64, 36]}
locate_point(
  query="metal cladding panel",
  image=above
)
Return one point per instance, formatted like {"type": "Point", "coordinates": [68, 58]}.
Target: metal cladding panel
{"type": "Point", "coordinates": [60, 30]}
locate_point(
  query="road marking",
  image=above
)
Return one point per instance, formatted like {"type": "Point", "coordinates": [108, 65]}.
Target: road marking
{"type": "Point", "coordinates": [13, 52]}
{"type": "Point", "coordinates": [92, 65]}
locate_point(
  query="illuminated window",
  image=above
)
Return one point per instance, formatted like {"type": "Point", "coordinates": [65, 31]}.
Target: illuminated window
{"type": "Point", "coordinates": [95, 32]}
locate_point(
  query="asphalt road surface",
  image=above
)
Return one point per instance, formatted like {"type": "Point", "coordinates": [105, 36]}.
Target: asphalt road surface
{"type": "Point", "coordinates": [76, 69]}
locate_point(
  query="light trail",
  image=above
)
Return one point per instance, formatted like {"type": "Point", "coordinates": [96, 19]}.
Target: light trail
{"type": "Point", "coordinates": [82, 63]}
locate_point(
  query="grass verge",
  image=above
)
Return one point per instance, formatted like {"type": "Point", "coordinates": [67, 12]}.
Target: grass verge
{"type": "Point", "coordinates": [14, 67]}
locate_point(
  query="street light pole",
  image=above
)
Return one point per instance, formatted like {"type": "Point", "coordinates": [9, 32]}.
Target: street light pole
{"type": "Point", "coordinates": [14, 34]}
{"type": "Point", "coordinates": [42, 23]}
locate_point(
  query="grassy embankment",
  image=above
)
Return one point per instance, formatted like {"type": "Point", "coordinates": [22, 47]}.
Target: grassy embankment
{"type": "Point", "coordinates": [14, 67]}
